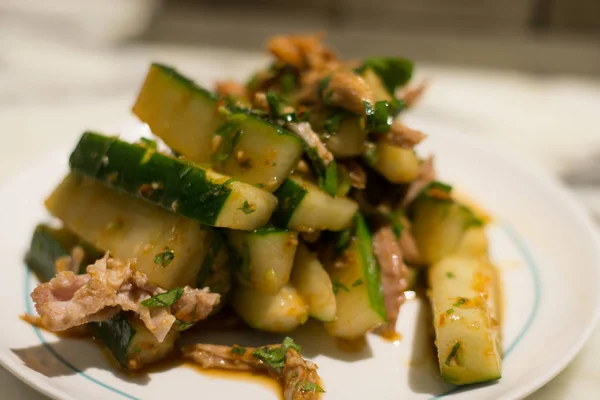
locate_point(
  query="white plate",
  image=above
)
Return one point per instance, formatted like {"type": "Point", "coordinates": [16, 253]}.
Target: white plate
{"type": "Point", "coordinates": [542, 241]}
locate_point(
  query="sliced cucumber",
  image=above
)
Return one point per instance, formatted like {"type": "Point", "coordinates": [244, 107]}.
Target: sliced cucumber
{"type": "Point", "coordinates": [131, 228]}
{"type": "Point", "coordinates": [396, 164]}
{"type": "Point", "coordinates": [174, 184]}
{"type": "Point", "coordinates": [462, 295]}
{"type": "Point", "coordinates": [313, 284]}
{"type": "Point", "coordinates": [305, 207]}
{"type": "Point", "coordinates": [280, 312]}
{"type": "Point", "coordinates": [186, 117]}
{"type": "Point", "coordinates": [215, 272]}
{"type": "Point", "coordinates": [438, 225]}
{"type": "Point", "coordinates": [181, 113]}
{"type": "Point", "coordinates": [359, 296]}
{"type": "Point", "coordinates": [49, 244]}
{"type": "Point", "coordinates": [131, 343]}
{"type": "Point", "coordinates": [349, 139]}
{"type": "Point", "coordinates": [474, 242]}
{"type": "Point", "coordinates": [269, 257]}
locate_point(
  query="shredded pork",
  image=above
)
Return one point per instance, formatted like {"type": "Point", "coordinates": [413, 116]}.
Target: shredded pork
{"type": "Point", "coordinates": [393, 272]}
{"type": "Point", "coordinates": [403, 136]}
{"type": "Point", "coordinates": [295, 375]}
{"type": "Point", "coordinates": [109, 286]}
{"type": "Point", "coordinates": [348, 90]}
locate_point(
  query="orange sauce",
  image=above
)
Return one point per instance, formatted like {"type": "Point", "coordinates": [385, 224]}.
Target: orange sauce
{"type": "Point", "coordinates": [253, 377]}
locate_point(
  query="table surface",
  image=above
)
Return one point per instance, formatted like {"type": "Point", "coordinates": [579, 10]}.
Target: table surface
{"type": "Point", "coordinates": [45, 105]}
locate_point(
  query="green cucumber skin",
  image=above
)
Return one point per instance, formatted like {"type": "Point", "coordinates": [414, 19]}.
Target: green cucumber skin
{"type": "Point", "coordinates": [116, 334]}
{"type": "Point", "coordinates": [49, 244]}
{"type": "Point", "coordinates": [290, 194]}
{"type": "Point", "coordinates": [173, 74]}
{"type": "Point", "coordinates": [45, 249]}
{"type": "Point", "coordinates": [181, 186]}
{"type": "Point", "coordinates": [193, 87]}
{"type": "Point", "coordinates": [370, 266]}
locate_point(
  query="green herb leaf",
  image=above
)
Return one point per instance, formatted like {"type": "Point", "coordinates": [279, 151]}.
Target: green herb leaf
{"type": "Point", "coordinates": [342, 241]}
{"type": "Point", "coordinates": [378, 118]}
{"type": "Point", "coordinates": [453, 353]}
{"type": "Point", "coordinates": [358, 282]}
{"type": "Point", "coordinates": [450, 275]}
{"type": "Point", "coordinates": [165, 257]}
{"type": "Point", "coordinates": [394, 218]}
{"type": "Point", "coordinates": [238, 350]}
{"type": "Point", "coordinates": [393, 72]}
{"type": "Point", "coordinates": [275, 356]}
{"type": "Point", "coordinates": [450, 311]}
{"type": "Point", "coordinates": [337, 285]}
{"type": "Point", "coordinates": [182, 326]}
{"type": "Point", "coordinates": [165, 299]}
{"type": "Point", "coordinates": [247, 208]}
{"type": "Point", "coordinates": [460, 302]}
{"type": "Point", "coordinates": [230, 133]}
{"type": "Point", "coordinates": [311, 387]}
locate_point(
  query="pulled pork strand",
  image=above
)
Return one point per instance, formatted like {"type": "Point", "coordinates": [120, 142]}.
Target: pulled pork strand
{"type": "Point", "coordinates": [298, 376]}
{"type": "Point", "coordinates": [109, 286]}
{"type": "Point", "coordinates": [394, 273]}
{"type": "Point", "coordinates": [402, 136]}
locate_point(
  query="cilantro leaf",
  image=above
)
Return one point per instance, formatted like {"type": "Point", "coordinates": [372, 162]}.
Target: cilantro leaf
{"type": "Point", "coordinates": [311, 387]}
{"type": "Point", "coordinates": [238, 350]}
{"type": "Point", "coordinates": [460, 302]}
{"type": "Point", "coordinates": [358, 282]}
{"type": "Point", "coordinates": [393, 72]}
{"type": "Point", "coordinates": [453, 353]}
{"type": "Point", "coordinates": [337, 285]}
{"type": "Point", "coordinates": [450, 275]}
{"type": "Point", "coordinates": [165, 257]}
{"type": "Point", "coordinates": [275, 357]}
{"type": "Point", "coordinates": [379, 117]}
{"type": "Point", "coordinates": [182, 326]}
{"type": "Point", "coordinates": [247, 208]}
{"type": "Point", "coordinates": [165, 299]}
{"type": "Point", "coordinates": [229, 134]}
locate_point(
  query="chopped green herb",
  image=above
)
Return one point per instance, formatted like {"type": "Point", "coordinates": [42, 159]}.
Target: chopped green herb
{"type": "Point", "coordinates": [275, 356]}
{"type": "Point", "coordinates": [312, 387]}
{"type": "Point", "coordinates": [337, 285]}
{"type": "Point", "coordinates": [450, 311]}
{"type": "Point", "coordinates": [238, 350]}
{"type": "Point", "coordinates": [247, 208]}
{"type": "Point", "coordinates": [450, 275]}
{"type": "Point", "coordinates": [230, 132]}
{"type": "Point", "coordinates": [378, 118]}
{"type": "Point", "coordinates": [453, 353]}
{"type": "Point", "coordinates": [437, 185]}
{"type": "Point", "coordinates": [460, 302]}
{"type": "Point", "coordinates": [358, 282]}
{"type": "Point", "coordinates": [394, 219]}
{"type": "Point", "coordinates": [393, 72]}
{"type": "Point", "coordinates": [342, 241]}
{"type": "Point", "coordinates": [260, 185]}
{"type": "Point", "coordinates": [165, 257]}
{"type": "Point", "coordinates": [165, 299]}
{"type": "Point", "coordinates": [182, 326]}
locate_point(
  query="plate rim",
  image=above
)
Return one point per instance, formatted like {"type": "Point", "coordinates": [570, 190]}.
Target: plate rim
{"type": "Point", "coordinates": [546, 179]}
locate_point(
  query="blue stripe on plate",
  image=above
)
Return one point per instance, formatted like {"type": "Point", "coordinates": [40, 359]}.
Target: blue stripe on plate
{"type": "Point", "coordinates": [507, 228]}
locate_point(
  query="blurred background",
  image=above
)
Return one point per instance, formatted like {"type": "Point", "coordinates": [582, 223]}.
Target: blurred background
{"type": "Point", "coordinates": [523, 73]}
